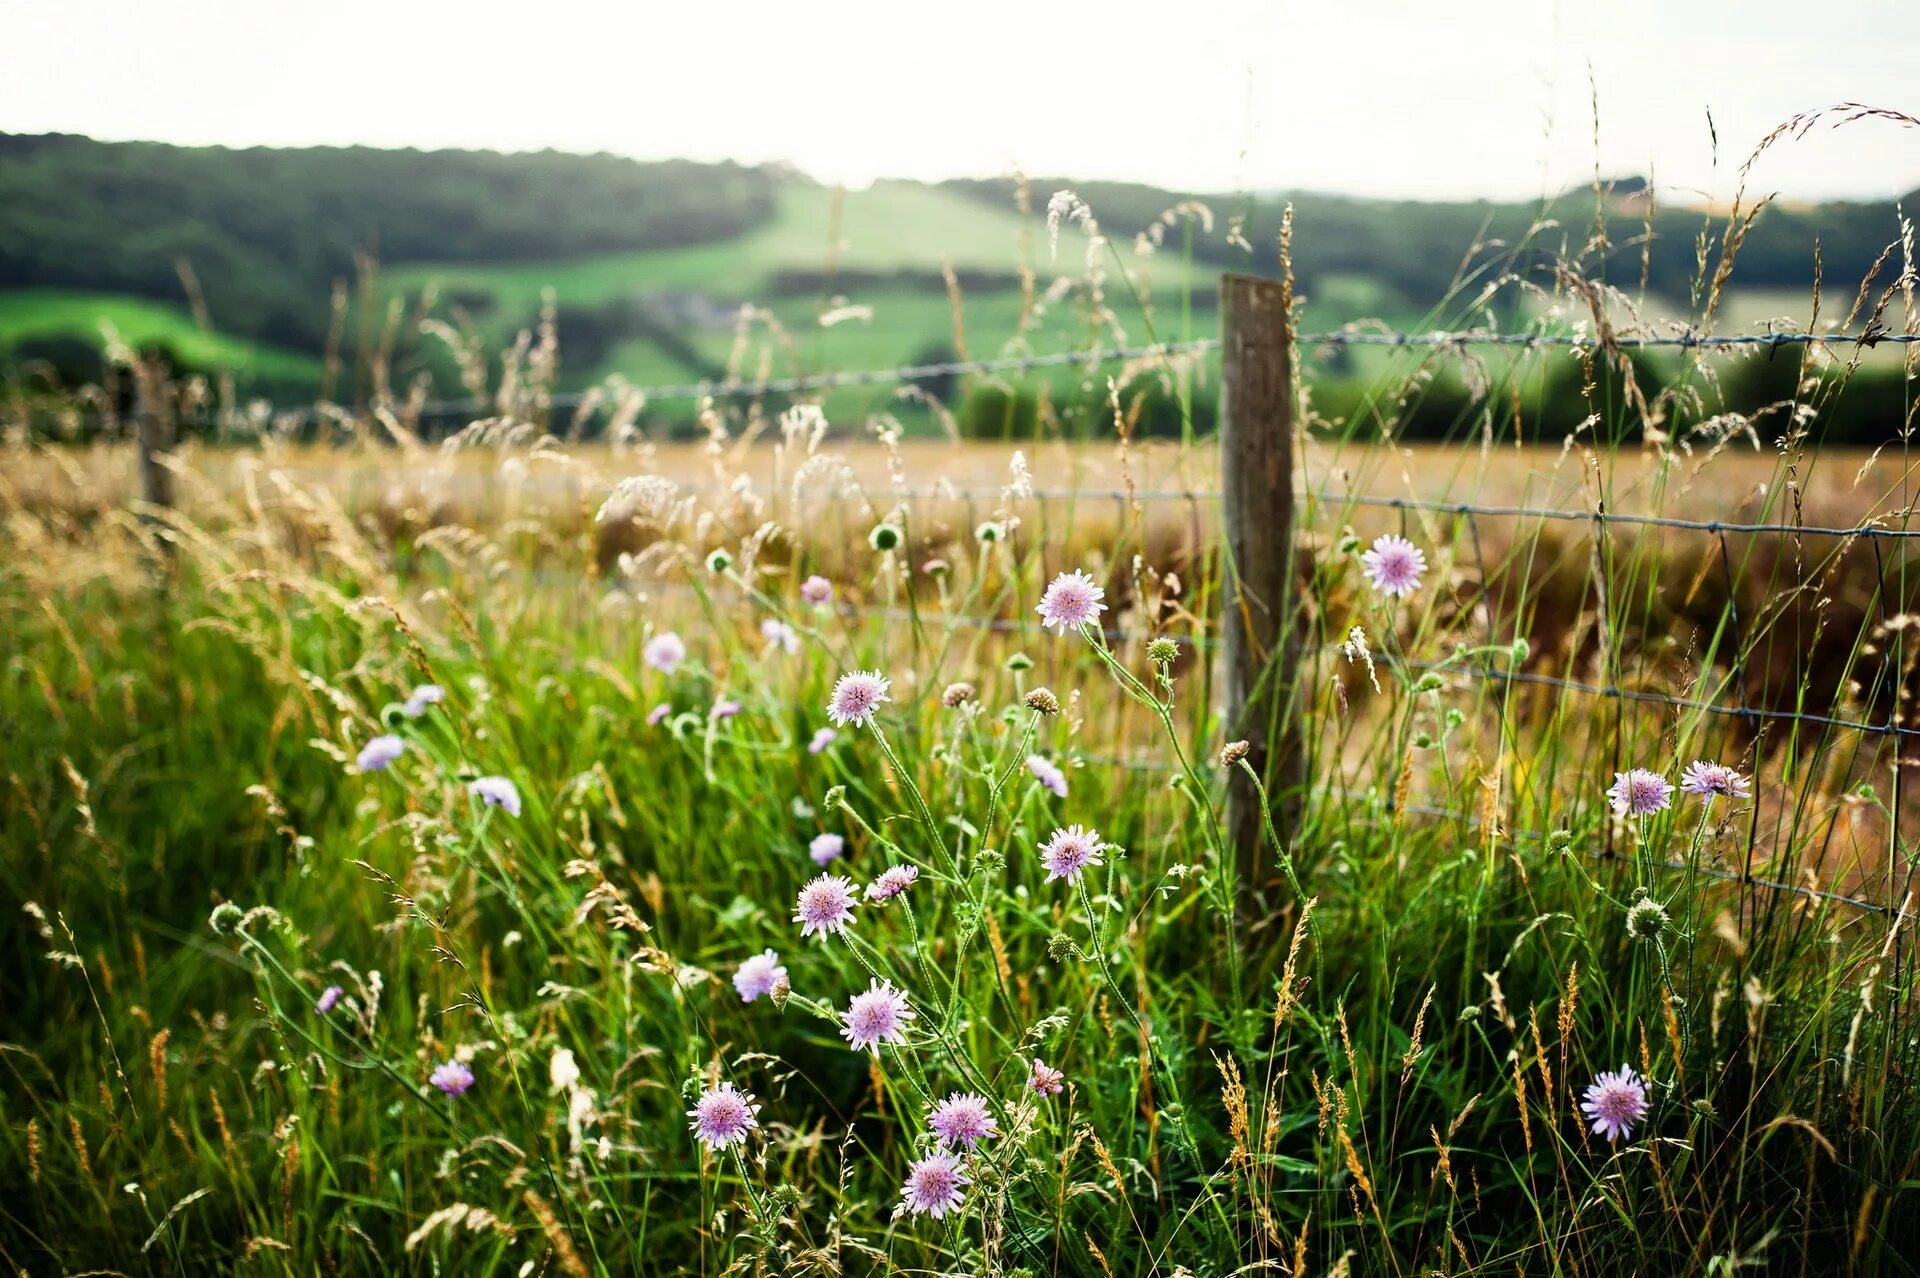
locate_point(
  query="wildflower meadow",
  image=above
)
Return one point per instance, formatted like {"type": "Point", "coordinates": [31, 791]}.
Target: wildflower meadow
{"type": "Point", "coordinates": [804, 850]}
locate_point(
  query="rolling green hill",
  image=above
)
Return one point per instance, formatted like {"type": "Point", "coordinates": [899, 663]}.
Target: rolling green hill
{"type": "Point", "coordinates": [651, 267]}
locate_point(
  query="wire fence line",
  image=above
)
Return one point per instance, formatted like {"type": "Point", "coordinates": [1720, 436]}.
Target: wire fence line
{"type": "Point", "coordinates": [1337, 339]}
{"type": "Point", "coordinates": [1333, 498]}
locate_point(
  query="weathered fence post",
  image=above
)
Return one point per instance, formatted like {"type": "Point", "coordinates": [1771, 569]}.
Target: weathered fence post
{"type": "Point", "coordinates": [1258, 627]}
{"type": "Point", "coordinates": [153, 428]}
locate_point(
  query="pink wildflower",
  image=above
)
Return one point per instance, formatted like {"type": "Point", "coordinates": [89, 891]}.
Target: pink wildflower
{"type": "Point", "coordinates": [664, 652]}
{"type": "Point", "coordinates": [758, 975]}
{"type": "Point", "coordinates": [934, 1186]}
{"type": "Point", "coordinates": [825, 906]}
{"type": "Point", "coordinates": [892, 882]}
{"type": "Point", "coordinates": [1393, 566]}
{"type": "Point", "coordinates": [496, 792]}
{"type": "Point", "coordinates": [1703, 778]}
{"type": "Point", "coordinates": [422, 698]}
{"type": "Point", "coordinates": [817, 590]}
{"type": "Point", "coordinates": [878, 1014]}
{"type": "Point", "coordinates": [723, 1116]}
{"type": "Point", "coordinates": [451, 1077]}
{"type": "Point", "coordinates": [1638, 792]}
{"type": "Point", "coordinates": [779, 634]}
{"type": "Point", "coordinates": [821, 740]}
{"type": "Point", "coordinates": [1615, 1102]}
{"type": "Point", "coordinates": [826, 848]}
{"type": "Point", "coordinates": [1072, 601]}
{"type": "Point", "coordinates": [328, 998]}
{"type": "Point", "coordinates": [1048, 774]}
{"type": "Point", "coordinates": [857, 698]}
{"type": "Point", "coordinates": [962, 1119]}
{"type": "Point", "coordinates": [1069, 852]}
{"type": "Point", "coordinates": [1046, 1080]}
{"type": "Point", "coordinates": [658, 714]}
{"type": "Point", "coordinates": [379, 753]}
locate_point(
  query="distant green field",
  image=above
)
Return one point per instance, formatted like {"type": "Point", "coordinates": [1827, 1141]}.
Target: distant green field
{"type": "Point", "coordinates": [886, 246]}
{"type": "Point", "coordinates": [30, 314]}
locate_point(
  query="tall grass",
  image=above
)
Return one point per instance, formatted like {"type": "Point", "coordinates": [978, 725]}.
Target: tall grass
{"type": "Point", "coordinates": [1362, 1050]}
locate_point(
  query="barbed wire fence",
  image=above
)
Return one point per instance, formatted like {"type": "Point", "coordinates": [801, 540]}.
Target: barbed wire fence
{"type": "Point", "coordinates": [1263, 374]}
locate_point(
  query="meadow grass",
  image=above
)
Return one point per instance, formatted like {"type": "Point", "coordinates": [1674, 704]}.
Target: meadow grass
{"type": "Point", "coordinates": [319, 973]}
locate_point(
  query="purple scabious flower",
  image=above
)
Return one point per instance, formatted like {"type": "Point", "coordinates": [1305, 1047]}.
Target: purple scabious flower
{"type": "Point", "coordinates": [963, 1118]}
{"type": "Point", "coordinates": [857, 698]}
{"type": "Point", "coordinates": [328, 998]}
{"type": "Point", "coordinates": [1048, 774]}
{"type": "Point", "coordinates": [1615, 1102]}
{"type": "Point", "coordinates": [724, 709]}
{"type": "Point", "coordinates": [723, 1117]}
{"type": "Point", "coordinates": [451, 1077]}
{"type": "Point", "coordinates": [821, 740]}
{"type": "Point", "coordinates": [1045, 1079]}
{"type": "Point", "coordinates": [825, 905]}
{"type": "Point", "coordinates": [1072, 601]}
{"type": "Point", "coordinates": [378, 754]}
{"type": "Point", "coordinates": [496, 792]}
{"type": "Point", "coordinates": [658, 714]}
{"type": "Point", "coordinates": [934, 1186]}
{"type": "Point", "coordinates": [758, 975]}
{"type": "Point", "coordinates": [664, 652]}
{"type": "Point", "coordinates": [779, 634]}
{"type": "Point", "coordinates": [1639, 792]}
{"type": "Point", "coordinates": [1393, 566]}
{"type": "Point", "coordinates": [422, 697]}
{"type": "Point", "coordinates": [1069, 852]}
{"type": "Point", "coordinates": [894, 880]}
{"type": "Point", "coordinates": [826, 848]}
{"type": "Point", "coordinates": [817, 590]}
{"type": "Point", "coordinates": [1707, 779]}
{"type": "Point", "coordinates": [878, 1014]}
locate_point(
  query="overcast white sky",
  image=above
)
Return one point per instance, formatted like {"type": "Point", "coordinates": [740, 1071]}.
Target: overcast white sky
{"type": "Point", "coordinates": [1448, 98]}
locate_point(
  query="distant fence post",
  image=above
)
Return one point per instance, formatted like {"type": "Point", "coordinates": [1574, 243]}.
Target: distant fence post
{"type": "Point", "coordinates": [153, 427]}
{"type": "Point", "coordinates": [1257, 626]}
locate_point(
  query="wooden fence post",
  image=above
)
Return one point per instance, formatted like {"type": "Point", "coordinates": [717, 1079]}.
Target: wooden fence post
{"type": "Point", "coordinates": [1258, 626]}
{"type": "Point", "coordinates": [153, 427]}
